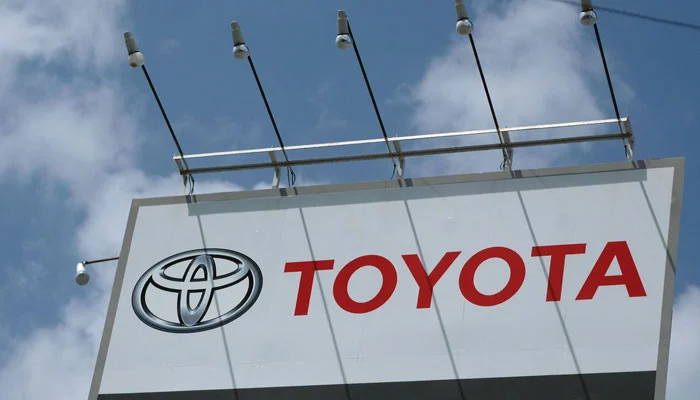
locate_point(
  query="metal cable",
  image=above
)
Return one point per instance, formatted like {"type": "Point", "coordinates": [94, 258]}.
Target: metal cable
{"type": "Point", "coordinates": [371, 96]}
{"type": "Point", "coordinates": [631, 14]}
{"type": "Point", "coordinates": [291, 176]}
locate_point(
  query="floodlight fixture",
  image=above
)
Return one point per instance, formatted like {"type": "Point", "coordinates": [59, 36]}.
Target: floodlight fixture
{"type": "Point", "coordinates": [81, 276]}
{"type": "Point", "coordinates": [464, 24]}
{"type": "Point", "coordinates": [240, 50]}
{"type": "Point", "coordinates": [588, 16]}
{"type": "Point", "coordinates": [136, 58]}
{"type": "Point", "coordinates": [343, 40]}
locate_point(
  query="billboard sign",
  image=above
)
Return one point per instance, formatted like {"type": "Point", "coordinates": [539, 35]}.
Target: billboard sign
{"type": "Point", "coordinates": [539, 284]}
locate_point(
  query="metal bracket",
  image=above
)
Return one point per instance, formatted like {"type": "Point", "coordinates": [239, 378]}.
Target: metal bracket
{"type": "Point", "coordinates": [630, 139]}
{"type": "Point", "coordinates": [276, 176]}
{"type": "Point", "coordinates": [182, 174]}
{"type": "Point", "coordinates": [508, 161]}
{"type": "Point", "coordinates": [402, 161]}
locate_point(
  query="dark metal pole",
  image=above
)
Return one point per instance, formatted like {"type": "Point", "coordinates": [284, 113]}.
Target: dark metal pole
{"type": "Point", "coordinates": [101, 260]}
{"type": "Point", "coordinates": [291, 176]}
{"type": "Point", "coordinates": [371, 96]}
{"type": "Point", "coordinates": [167, 122]}
{"type": "Point", "coordinates": [610, 85]}
{"type": "Point", "coordinates": [488, 97]}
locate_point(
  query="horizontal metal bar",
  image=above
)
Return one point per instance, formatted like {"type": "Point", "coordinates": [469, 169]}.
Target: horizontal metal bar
{"type": "Point", "coordinates": [101, 260]}
{"type": "Point", "coordinates": [400, 138]}
{"type": "Point", "coordinates": [411, 153]}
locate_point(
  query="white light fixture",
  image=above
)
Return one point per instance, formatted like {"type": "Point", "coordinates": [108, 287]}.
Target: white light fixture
{"type": "Point", "coordinates": [240, 50]}
{"type": "Point", "coordinates": [136, 58]}
{"type": "Point", "coordinates": [588, 16]}
{"type": "Point", "coordinates": [343, 40]}
{"type": "Point", "coordinates": [81, 276]}
{"type": "Point", "coordinates": [464, 24]}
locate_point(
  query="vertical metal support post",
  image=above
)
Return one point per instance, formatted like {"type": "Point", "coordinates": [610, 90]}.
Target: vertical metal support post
{"type": "Point", "coordinates": [630, 140]}
{"type": "Point", "coordinates": [402, 161]}
{"type": "Point", "coordinates": [508, 159]}
{"type": "Point", "coordinates": [184, 176]}
{"type": "Point", "coordinates": [276, 176]}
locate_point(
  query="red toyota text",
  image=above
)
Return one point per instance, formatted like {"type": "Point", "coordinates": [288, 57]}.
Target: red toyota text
{"type": "Point", "coordinates": [556, 255]}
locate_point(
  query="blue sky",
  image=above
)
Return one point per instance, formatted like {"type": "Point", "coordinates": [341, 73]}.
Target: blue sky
{"type": "Point", "coordinates": [80, 134]}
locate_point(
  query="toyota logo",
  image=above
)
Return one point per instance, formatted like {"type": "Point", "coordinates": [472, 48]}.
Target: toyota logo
{"type": "Point", "coordinates": [191, 292]}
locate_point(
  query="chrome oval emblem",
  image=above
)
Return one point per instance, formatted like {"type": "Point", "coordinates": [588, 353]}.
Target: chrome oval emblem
{"type": "Point", "coordinates": [200, 278]}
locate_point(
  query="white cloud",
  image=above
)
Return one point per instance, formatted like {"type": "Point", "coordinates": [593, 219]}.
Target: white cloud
{"type": "Point", "coordinates": [57, 362]}
{"type": "Point", "coordinates": [60, 119]}
{"type": "Point", "coordinates": [537, 63]}
{"type": "Point", "coordinates": [107, 211]}
{"type": "Point", "coordinates": [65, 121]}
{"type": "Point", "coordinates": [78, 34]}
{"type": "Point", "coordinates": [684, 362]}
{"type": "Point", "coordinates": [76, 135]}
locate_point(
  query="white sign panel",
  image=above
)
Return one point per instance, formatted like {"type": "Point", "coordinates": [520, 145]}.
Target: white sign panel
{"type": "Point", "coordinates": [548, 284]}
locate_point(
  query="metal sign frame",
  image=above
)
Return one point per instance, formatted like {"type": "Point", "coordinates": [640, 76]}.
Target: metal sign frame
{"type": "Point", "coordinates": [671, 245]}
{"type": "Point", "coordinates": [626, 135]}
